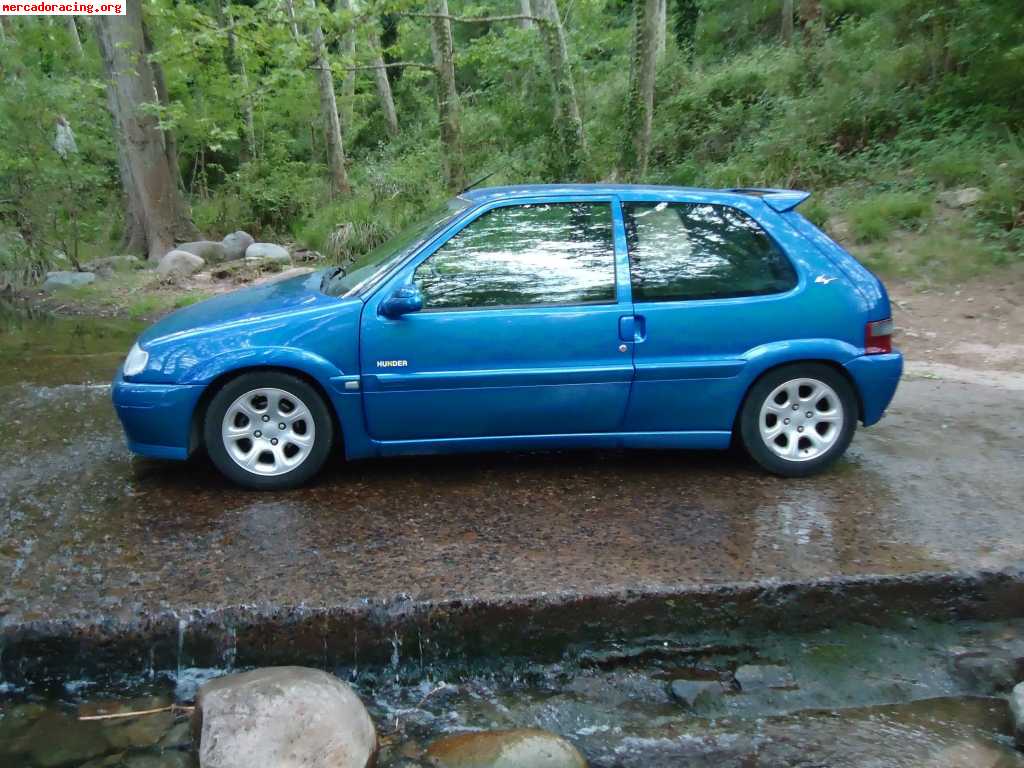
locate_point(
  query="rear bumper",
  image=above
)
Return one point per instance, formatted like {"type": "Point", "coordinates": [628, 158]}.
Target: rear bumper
{"type": "Point", "coordinates": [876, 377]}
{"type": "Point", "coordinates": [157, 418]}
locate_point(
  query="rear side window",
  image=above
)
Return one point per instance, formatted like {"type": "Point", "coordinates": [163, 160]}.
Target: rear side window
{"type": "Point", "coordinates": [681, 251]}
{"type": "Point", "coordinates": [520, 255]}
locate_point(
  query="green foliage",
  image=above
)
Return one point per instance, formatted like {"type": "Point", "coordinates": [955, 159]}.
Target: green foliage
{"type": "Point", "coordinates": [875, 217]}
{"type": "Point", "coordinates": [879, 107]}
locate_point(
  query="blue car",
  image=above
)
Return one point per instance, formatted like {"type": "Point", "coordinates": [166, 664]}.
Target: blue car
{"type": "Point", "coordinates": [533, 317]}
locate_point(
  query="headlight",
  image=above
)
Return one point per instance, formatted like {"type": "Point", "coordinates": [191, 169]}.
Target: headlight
{"type": "Point", "coordinates": [136, 361]}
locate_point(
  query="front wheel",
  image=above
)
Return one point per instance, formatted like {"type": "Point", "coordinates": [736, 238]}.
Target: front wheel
{"type": "Point", "coordinates": [268, 430]}
{"type": "Point", "coordinates": [798, 419]}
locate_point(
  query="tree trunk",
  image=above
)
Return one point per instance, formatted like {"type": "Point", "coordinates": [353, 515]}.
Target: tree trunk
{"type": "Point", "coordinates": [640, 101]}
{"type": "Point", "coordinates": [787, 22]}
{"type": "Point", "coordinates": [348, 53]}
{"type": "Point", "coordinates": [662, 26]}
{"type": "Point", "coordinates": [155, 202]}
{"type": "Point", "coordinates": [525, 10]}
{"type": "Point", "coordinates": [329, 111]}
{"type": "Point", "coordinates": [442, 45]}
{"type": "Point", "coordinates": [568, 120]}
{"type": "Point", "coordinates": [380, 77]}
{"type": "Point", "coordinates": [184, 229]}
{"type": "Point", "coordinates": [810, 14]}
{"type": "Point", "coordinates": [236, 67]}
{"type": "Point", "coordinates": [76, 40]}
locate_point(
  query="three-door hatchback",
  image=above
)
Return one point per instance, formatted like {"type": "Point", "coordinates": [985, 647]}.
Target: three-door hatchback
{"type": "Point", "coordinates": [527, 318]}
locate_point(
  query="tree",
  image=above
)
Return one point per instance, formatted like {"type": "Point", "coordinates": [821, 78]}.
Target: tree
{"type": "Point", "coordinates": [156, 211]}
{"type": "Point", "coordinates": [787, 22]}
{"type": "Point", "coordinates": [640, 99]}
{"type": "Point", "coordinates": [810, 14]}
{"type": "Point", "coordinates": [525, 10]}
{"type": "Point", "coordinates": [662, 26]}
{"type": "Point", "coordinates": [76, 40]}
{"type": "Point", "coordinates": [443, 48]}
{"type": "Point", "coordinates": [568, 120]}
{"type": "Point", "coordinates": [380, 78]}
{"type": "Point", "coordinates": [347, 49]}
{"type": "Point", "coordinates": [328, 110]}
{"type": "Point", "coordinates": [236, 66]}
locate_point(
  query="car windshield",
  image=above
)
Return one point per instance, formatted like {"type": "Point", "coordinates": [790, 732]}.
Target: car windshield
{"type": "Point", "coordinates": [369, 268]}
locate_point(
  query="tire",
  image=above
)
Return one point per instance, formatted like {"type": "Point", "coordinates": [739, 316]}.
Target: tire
{"type": "Point", "coordinates": [787, 441]}
{"type": "Point", "coordinates": [247, 414]}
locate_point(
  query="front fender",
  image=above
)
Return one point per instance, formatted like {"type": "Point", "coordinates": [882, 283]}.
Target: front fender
{"type": "Point", "coordinates": [263, 357]}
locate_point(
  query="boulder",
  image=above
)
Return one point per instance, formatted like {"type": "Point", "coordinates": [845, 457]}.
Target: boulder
{"type": "Point", "coordinates": [1017, 712]}
{"type": "Point", "coordinates": [986, 673]}
{"type": "Point", "coordinates": [284, 717]}
{"type": "Point", "coordinates": [235, 245]}
{"type": "Point", "coordinates": [179, 264]}
{"type": "Point", "coordinates": [207, 250]}
{"type": "Point", "coordinates": [696, 694]}
{"type": "Point", "coordinates": [504, 749]}
{"type": "Point", "coordinates": [753, 677]}
{"type": "Point", "coordinates": [286, 274]}
{"type": "Point", "coordinates": [961, 198]}
{"type": "Point", "coordinates": [57, 280]}
{"type": "Point", "coordinates": [122, 262]}
{"type": "Point", "coordinates": [267, 252]}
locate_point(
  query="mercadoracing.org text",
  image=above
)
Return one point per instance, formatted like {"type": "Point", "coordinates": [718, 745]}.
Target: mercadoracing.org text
{"type": "Point", "coordinates": [42, 8]}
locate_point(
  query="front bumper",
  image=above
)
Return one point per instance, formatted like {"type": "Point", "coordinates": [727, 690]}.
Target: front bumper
{"type": "Point", "coordinates": [157, 418]}
{"type": "Point", "coordinates": [876, 377]}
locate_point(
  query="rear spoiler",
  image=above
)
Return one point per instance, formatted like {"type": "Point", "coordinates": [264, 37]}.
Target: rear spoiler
{"type": "Point", "coordinates": [781, 200]}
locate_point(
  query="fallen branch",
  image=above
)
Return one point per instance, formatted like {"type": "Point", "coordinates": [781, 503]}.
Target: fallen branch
{"type": "Point", "coordinates": [475, 19]}
{"type": "Point", "coordinates": [139, 713]}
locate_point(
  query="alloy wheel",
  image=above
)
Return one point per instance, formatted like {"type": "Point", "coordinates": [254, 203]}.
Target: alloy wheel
{"type": "Point", "coordinates": [268, 431]}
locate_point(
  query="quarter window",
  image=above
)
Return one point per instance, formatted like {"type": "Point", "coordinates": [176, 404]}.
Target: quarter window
{"type": "Point", "coordinates": [550, 253]}
{"type": "Point", "coordinates": [683, 251]}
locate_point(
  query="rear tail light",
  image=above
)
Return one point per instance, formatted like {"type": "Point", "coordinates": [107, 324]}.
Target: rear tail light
{"type": "Point", "coordinates": [878, 337]}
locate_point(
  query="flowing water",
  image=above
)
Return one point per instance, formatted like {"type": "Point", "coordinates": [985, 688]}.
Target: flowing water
{"type": "Point", "coordinates": [854, 696]}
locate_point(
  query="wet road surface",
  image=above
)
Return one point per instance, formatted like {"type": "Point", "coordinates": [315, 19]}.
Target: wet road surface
{"type": "Point", "coordinates": [86, 530]}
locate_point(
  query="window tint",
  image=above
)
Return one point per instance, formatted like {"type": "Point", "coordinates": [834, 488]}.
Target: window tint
{"type": "Point", "coordinates": [554, 253]}
{"type": "Point", "coordinates": [697, 251]}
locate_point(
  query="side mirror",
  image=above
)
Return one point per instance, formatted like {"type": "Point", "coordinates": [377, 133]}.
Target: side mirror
{"type": "Point", "coordinates": [403, 301]}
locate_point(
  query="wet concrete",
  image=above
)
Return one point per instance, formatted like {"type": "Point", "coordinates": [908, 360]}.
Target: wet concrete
{"type": "Point", "coordinates": [90, 536]}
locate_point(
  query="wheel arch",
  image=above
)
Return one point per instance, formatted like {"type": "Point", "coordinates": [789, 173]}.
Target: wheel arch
{"type": "Point", "coordinates": [833, 364]}
{"type": "Point", "coordinates": [210, 390]}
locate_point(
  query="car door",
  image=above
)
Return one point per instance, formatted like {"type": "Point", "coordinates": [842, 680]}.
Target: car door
{"type": "Point", "coordinates": [518, 334]}
{"type": "Point", "coordinates": [709, 285]}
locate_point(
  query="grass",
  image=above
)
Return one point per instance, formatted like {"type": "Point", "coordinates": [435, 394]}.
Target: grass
{"type": "Point", "coordinates": [876, 217]}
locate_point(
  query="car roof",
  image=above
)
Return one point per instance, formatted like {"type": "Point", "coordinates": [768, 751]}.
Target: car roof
{"type": "Point", "coordinates": [635, 191]}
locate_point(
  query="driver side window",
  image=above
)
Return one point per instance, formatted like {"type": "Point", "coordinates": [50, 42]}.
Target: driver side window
{"type": "Point", "coordinates": [518, 255]}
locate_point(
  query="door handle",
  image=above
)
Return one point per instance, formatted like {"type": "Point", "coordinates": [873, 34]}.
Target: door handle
{"type": "Point", "coordinates": [632, 328]}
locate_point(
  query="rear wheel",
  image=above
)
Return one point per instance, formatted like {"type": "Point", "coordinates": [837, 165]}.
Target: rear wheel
{"type": "Point", "coordinates": [268, 430]}
{"type": "Point", "coordinates": [798, 419]}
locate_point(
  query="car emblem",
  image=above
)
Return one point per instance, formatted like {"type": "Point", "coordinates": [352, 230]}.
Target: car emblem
{"type": "Point", "coordinates": [824, 280]}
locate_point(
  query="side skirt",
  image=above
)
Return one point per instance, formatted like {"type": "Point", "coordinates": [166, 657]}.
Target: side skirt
{"type": "Point", "coordinates": [682, 440]}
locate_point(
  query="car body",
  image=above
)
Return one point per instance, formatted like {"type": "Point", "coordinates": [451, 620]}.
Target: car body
{"type": "Point", "coordinates": [539, 316]}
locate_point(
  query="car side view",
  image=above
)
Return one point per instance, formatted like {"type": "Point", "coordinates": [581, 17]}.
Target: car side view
{"type": "Point", "coordinates": [533, 317]}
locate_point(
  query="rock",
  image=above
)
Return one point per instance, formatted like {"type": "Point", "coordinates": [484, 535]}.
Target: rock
{"type": "Point", "coordinates": [287, 274]}
{"type": "Point", "coordinates": [178, 737]}
{"type": "Point", "coordinates": [518, 748]}
{"type": "Point", "coordinates": [122, 262]}
{"type": "Point", "coordinates": [961, 198]}
{"type": "Point", "coordinates": [285, 717]}
{"type": "Point", "coordinates": [753, 677]}
{"type": "Point", "coordinates": [1017, 711]}
{"type": "Point", "coordinates": [267, 252]}
{"type": "Point", "coordinates": [235, 245]}
{"type": "Point", "coordinates": [696, 694]}
{"type": "Point", "coordinates": [57, 280]}
{"type": "Point", "coordinates": [179, 264]}
{"type": "Point", "coordinates": [207, 250]}
{"type": "Point", "coordinates": [973, 754]}
{"type": "Point", "coordinates": [58, 740]}
{"type": "Point", "coordinates": [985, 673]}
